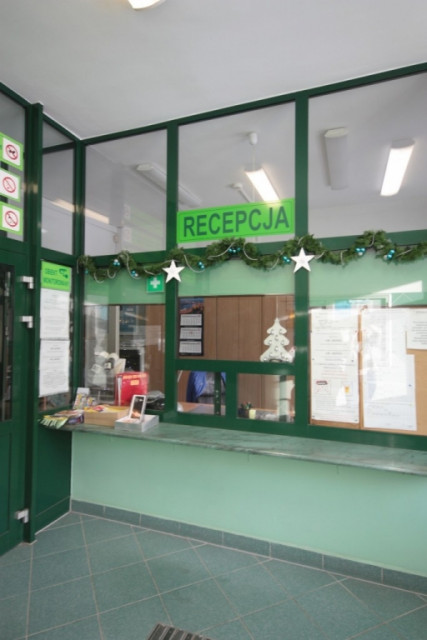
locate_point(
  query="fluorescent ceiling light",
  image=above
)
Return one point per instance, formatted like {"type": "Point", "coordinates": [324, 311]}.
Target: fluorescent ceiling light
{"type": "Point", "coordinates": [157, 176]}
{"type": "Point", "coordinates": [262, 184]}
{"type": "Point", "coordinates": [397, 164]}
{"type": "Point", "coordinates": [90, 213]}
{"type": "Point", "coordinates": [144, 4]}
{"type": "Point", "coordinates": [336, 143]}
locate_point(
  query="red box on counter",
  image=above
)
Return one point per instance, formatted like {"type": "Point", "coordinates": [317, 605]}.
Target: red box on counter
{"type": "Point", "coordinates": [132, 383]}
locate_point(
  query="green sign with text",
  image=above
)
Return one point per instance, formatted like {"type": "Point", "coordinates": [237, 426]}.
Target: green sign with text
{"type": "Point", "coordinates": [254, 219]}
{"type": "Point", "coordinates": [55, 276]}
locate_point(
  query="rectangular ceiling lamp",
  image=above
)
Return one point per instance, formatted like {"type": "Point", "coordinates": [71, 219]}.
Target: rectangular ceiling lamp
{"type": "Point", "coordinates": [262, 184]}
{"type": "Point", "coordinates": [157, 176]}
{"type": "Point", "coordinates": [398, 159]}
{"type": "Point", "coordinates": [143, 4]}
{"type": "Point", "coordinates": [336, 143]}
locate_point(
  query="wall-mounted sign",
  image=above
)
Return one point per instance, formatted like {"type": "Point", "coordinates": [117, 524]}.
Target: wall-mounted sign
{"type": "Point", "coordinates": [55, 276]}
{"type": "Point", "coordinates": [11, 219]}
{"type": "Point", "coordinates": [254, 219]}
{"type": "Point", "coordinates": [10, 185]}
{"type": "Point", "coordinates": [11, 151]}
{"type": "Point", "coordinates": [156, 284]}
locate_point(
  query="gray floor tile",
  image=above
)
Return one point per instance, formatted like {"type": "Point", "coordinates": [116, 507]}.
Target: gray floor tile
{"type": "Point", "coordinates": [412, 626]}
{"type": "Point", "coordinates": [14, 579]}
{"type": "Point", "coordinates": [154, 543]}
{"type": "Point", "coordinates": [220, 560]}
{"type": "Point", "coordinates": [60, 604]}
{"type": "Point", "coordinates": [58, 539]}
{"type": "Point", "coordinates": [122, 586]}
{"type": "Point", "coordinates": [228, 631]}
{"type": "Point", "coordinates": [96, 530]}
{"type": "Point", "coordinates": [59, 567]}
{"type": "Point", "coordinates": [198, 606]}
{"type": "Point", "coordinates": [110, 554]}
{"type": "Point", "coordinates": [21, 553]}
{"type": "Point", "coordinates": [177, 570]}
{"type": "Point", "coordinates": [285, 621]}
{"type": "Point", "coordinates": [251, 588]}
{"type": "Point", "coordinates": [339, 614]}
{"type": "Point", "coordinates": [297, 579]}
{"type": "Point", "coordinates": [69, 518]}
{"type": "Point", "coordinates": [13, 617]}
{"type": "Point", "coordinates": [386, 602]}
{"type": "Point", "coordinates": [134, 621]}
{"type": "Point", "coordinates": [384, 632]}
{"type": "Point", "coordinates": [87, 629]}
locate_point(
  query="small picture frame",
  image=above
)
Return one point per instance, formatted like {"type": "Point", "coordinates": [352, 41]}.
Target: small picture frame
{"type": "Point", "coordinates": [137, 408]}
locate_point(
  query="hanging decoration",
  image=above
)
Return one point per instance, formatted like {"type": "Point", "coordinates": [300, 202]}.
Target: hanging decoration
{"type": "Point", "coordinates": [300, 250]}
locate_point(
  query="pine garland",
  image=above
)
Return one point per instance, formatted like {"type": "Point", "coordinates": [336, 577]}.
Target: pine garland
{"type": "Point", "coordinates": [228, 248]}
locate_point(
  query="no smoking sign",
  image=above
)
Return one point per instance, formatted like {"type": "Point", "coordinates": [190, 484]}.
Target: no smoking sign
{"type": "Point", "coordinates": [10, 185]}
{"type": "Point", "coordinates": [11, 219]}
{"type": "Point", "coordinates": [11, 151]}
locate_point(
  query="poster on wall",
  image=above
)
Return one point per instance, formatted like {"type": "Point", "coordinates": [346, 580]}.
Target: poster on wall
{"type": "Point", "coordinates": [334, 365]}
{"type": "Point", "coordinates": [388, 371]}
{"type": "Point", "coordinates": [54, 362]}
{"type": "Point", "coordinates": [191, 326]}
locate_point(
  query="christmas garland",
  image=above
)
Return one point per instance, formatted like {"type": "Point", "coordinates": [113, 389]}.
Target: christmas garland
{"type": "Point", "coordinates": [229, 248]}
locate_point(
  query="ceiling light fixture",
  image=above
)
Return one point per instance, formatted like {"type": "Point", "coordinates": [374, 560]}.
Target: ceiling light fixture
{"type": "Point", "coordinates": [144, 4]}
{"type": "Point", "coordinates": [397, 163]}
{"type": "Point", "coordinates": [336, 143]}
{"type": "Point", "coordinates": [157, 176]}
{"type": "Point", "coordinates": [237, 186]}
{"type": "Point", "coordinates": [262, 184]}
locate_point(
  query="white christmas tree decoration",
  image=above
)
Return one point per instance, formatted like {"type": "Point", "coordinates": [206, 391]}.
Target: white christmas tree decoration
{"type": "Point", "coordinates": [276, 342]}
{"type": "Point", "coordinates": [173, 271]}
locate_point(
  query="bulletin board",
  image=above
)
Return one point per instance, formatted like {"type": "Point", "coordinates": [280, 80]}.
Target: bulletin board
{"type": "Point", "coordinates": [383, 386]}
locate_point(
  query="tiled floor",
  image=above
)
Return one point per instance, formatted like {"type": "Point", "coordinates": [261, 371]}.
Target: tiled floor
{"type": "Point", "coordinates": [87, 578]}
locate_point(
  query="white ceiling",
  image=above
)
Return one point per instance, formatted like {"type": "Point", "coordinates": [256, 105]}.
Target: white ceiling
{"type": "Point", "coordinates": [98, 66]}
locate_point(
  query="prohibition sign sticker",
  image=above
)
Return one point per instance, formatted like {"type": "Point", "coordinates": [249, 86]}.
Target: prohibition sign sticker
{"type": "Point", "coordinates": [11, 219]}
{"type": "Point", "coordinates": [11, 151]}
{"type": "Point", "coordinates": [9, 185]}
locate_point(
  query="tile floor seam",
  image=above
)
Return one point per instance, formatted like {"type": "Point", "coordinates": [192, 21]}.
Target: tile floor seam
{"type": "Point", "coordinates": [33, 636]}
{"type": "Point", "coordinates": [147, 566]}
{"type": "Point", "coordinates": [291, 595]}
{"type": "Point", "coordinates": [92, 582]}
{"type": "Point", "coordinates": [396, 634]}
{"type": "Point", "coordinates": [30, 578]}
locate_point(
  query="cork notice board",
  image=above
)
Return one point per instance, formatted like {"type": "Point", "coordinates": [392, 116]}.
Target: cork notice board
{"type": "Point", "coordinates": [384, 387]}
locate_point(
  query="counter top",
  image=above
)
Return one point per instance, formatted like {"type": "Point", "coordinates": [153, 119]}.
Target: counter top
{"type": "Point", "coordinates": [287, 447]}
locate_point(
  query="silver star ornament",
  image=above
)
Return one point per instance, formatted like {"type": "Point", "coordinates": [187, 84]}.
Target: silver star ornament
{"type": "Point", "coordinates": [173, 271]}
{"type": "Point", "coordinates": [302, 260]}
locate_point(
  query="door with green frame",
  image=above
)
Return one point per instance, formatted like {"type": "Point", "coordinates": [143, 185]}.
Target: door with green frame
{"type": "Point", "coordinates": [15, 325]}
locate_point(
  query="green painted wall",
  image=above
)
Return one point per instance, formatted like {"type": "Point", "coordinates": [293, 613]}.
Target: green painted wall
{"type": "Point", "coordinates": [370, 516]}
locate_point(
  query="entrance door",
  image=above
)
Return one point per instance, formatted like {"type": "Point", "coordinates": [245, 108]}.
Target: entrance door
{"type": "Point", "coordinates": [14, 367]}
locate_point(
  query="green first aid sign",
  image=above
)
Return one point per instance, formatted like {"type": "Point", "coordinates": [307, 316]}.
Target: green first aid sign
{"type": "Point", "coordinates": [55, 276]}
{"type": "Point", "coordinates": [254, 219]}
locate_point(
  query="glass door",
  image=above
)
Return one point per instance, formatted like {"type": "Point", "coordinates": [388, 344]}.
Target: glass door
{"type": "Point", "coordinates": [14, 371]}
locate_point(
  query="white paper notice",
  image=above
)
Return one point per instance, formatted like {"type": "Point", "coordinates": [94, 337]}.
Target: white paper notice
{"type": "Point", "coordinates": [388, 372]}
{"type": "Point", "coordinates": [417, 329]}
{"type": "Point", "coordinates": [334, 365]}
{"type": "Point", "coordinates": [54, 367]}
{"type": "Point", "coordinates": [54, 314]}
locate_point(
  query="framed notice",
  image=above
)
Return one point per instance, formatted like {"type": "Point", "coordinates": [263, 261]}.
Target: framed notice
{"type": "Point", "coordinates": [190, 336]}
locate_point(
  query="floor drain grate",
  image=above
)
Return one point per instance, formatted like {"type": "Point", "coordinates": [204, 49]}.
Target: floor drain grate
{"type": "Point", "coordinates": [162, 632]}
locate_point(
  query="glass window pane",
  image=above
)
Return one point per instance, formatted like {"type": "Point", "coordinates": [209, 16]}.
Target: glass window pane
{"type": "Point", "coordinates": [214, 156]}
{"type": "Point", "coordinates": [58, 201]}
{"type": "Point", "coordinates": [121, 339]}
{"type": "Point", "coordinates": [202, 392]}
{"type": "Point", "coordinates": [125, 204]}
{"type": "Point", "coordinates": [347, 166]}
{"type": "Point", "coordinates": [368, 346]}
{"type": "Point", "coordinates": [266, 397]}
{"type": "Point", "coordinates": [12, 125]}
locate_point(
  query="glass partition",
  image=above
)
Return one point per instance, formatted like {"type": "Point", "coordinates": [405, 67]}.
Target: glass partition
{"type": "Point", "coordinates": [58, 200]}
{"type": "Point", "coordinates": [126, 195]}
{"type": "Point", "coordinates": [12, 134]}
{"type": "Point", "coordinates": [368, 346]}
{"type": "Point", "coordinates": [217, 156]}
{"type": "Point", "coordinates": [351, 134]}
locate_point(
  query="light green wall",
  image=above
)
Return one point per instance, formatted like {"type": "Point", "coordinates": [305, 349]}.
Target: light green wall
{"type": "Point", "coordinates": [370, 516]}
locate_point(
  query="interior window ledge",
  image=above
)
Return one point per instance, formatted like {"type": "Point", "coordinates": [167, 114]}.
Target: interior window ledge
{"type": "Point", "coordinates": [288, 447]}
